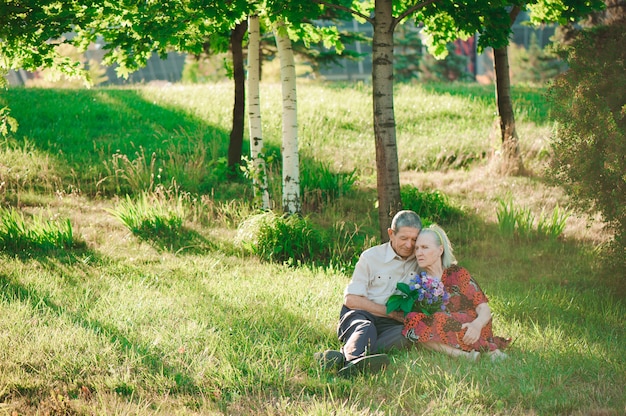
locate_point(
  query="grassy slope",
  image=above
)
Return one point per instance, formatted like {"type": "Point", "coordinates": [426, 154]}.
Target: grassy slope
{"type": "Point", "coordinates": [124, 328]}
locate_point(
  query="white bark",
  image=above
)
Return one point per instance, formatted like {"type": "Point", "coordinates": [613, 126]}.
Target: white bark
{"type": "Point", "coordinates": [254, 113]}
{"type": "Point", "coordinates": [291, 164]}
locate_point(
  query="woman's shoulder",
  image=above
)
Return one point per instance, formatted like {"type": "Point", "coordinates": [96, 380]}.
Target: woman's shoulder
{"type": "Point", "coordinates": [458, 272]}
{"type": "Point", "coordinates": [455, 268]}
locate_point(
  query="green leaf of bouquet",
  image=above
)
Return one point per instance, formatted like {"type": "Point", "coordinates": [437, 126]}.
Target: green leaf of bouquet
{"type": "Point", "coordinates": [407, 305]}
{"type": "Point", "coordinates": [394, 302]}
{"type": "Point", "coordinates": [404, 288]}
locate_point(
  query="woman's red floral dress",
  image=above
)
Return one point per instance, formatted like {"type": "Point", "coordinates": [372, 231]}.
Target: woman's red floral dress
{"type": "Point", "coordinates": [445, 327]}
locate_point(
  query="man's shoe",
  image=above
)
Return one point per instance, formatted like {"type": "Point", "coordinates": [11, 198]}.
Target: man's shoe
{"type": "Point", "coordinates": [330, 359]}
{"type": "Point", "coordinates": [369, 364]}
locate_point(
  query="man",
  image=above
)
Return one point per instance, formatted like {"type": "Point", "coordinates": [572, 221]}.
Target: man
{"type": "Point", "coordinates": [365, 328]}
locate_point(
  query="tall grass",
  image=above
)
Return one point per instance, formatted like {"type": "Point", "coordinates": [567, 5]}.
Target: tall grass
{"type": "Point", "coordinates": [151, 214]}
{"type": "Point", "coordinates": [18, 234]}
{"type": "Point", "coordinates": [521, 222]}
{"type": "Point", "coordinates": [187, 129]}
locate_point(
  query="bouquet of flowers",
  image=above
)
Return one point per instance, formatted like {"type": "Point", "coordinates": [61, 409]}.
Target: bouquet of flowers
{"type": "Point", "coordinates": [424, 294]}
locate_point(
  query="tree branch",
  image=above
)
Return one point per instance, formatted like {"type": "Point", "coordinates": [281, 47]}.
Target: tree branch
{"type": "Point", "coordinates": [513, 13]}
{"type": "Point", "coordinates": [412, 10]}
{"type": "Point", "coordinates": [345, 9]}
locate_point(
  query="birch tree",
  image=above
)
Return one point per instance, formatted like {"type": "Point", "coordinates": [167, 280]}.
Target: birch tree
{"type": "Point", "coordinates": [259, 174]}
{"type": "Point", "coordinates": [291, 164]}
{"type": "Point", "coordinates": [292, 19]}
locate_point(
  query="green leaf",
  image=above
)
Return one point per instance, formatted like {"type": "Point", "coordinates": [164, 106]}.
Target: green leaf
{"type": "Point", "coordinates": [404, 288]}
{"type": "Point", "coordinates": [407, 305]}
{"type": "Point", "coordinates": [394, 302]}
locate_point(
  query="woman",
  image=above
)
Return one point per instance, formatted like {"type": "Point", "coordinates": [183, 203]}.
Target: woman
{"type": "Point", "coordinates": [464, 328]}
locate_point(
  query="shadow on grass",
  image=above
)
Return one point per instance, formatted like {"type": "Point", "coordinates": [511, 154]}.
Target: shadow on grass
{"type": "Point", "coordinates": [179, 241]}
{"type": "Point", "coordinates": [94, 136]}
{"type": "Point", "coordinates": [114, 141]}
{"type": "Point", "coordinates": [12, 290]}
{"type": "Point", "coordinates": [258, 342]}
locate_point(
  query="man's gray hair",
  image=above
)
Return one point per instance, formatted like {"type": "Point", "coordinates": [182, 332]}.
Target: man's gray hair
{"type": "Point", "coordinates": [406, 218]}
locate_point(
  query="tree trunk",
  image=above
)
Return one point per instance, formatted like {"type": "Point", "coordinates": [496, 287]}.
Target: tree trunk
{"type": "Point", "coordinates": [388, 176]}
{"type": "Point", "coordinates": [510, 162]}
{"type": "Point", "coordinates": [239, 107]}
{"type": "Point", "coordinates": [291, 164]}
{"type": "Point", "coordinates": [254, 113]}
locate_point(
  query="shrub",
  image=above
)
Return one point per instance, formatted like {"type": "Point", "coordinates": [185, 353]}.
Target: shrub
{"type": "Point", "coordinates": [590, 140]}
{"type": "Point", "coordinates": [280, 238]}
{"type": "Point", "coordinates": [431, 206]}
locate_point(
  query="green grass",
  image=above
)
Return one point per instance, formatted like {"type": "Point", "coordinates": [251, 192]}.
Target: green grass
{"type": "Point", "coordinates": [130, 324]}
{"type": "Point", "coordinates": [91, 135]}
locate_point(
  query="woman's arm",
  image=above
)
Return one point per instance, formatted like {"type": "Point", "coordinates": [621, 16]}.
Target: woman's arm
{"type": "Point", "coordinates": [475, 327]}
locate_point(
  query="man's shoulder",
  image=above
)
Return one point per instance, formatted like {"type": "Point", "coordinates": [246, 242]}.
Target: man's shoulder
{"type": "Point", "coordinates": [376, 250]}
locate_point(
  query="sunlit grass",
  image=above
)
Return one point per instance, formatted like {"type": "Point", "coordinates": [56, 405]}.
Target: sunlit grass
{"type": "Point", "coordinates": [129, 327]}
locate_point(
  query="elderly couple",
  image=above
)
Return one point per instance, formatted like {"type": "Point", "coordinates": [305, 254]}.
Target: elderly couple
{"type": "Point", "coordinates": [365, 329]}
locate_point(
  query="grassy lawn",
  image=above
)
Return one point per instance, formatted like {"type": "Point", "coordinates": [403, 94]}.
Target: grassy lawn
{"type": "Point", "coordinates": [130, 324]}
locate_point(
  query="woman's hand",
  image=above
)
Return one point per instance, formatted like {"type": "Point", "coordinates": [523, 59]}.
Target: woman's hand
{"type": "Point", "coordinates": [473, 332]}
{"type": "Point", "coordinates": [475, 327]}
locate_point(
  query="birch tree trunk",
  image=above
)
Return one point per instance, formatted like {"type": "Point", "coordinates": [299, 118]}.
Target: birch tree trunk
{"type": "Point", "coordinates": [254, 113]}
{"type": "Point", "coordinates": [388, 175]}
{"type": "Point", "coordinates": [291, 164]}
{"type": "Point", "coordinates": [239, 106]}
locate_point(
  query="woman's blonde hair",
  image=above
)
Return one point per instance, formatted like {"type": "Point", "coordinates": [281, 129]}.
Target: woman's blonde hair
{"type": "Point", "coordinates": [447, 257]}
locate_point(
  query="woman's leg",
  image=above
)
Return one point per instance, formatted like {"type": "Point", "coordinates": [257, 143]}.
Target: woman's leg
{"type": "Point", "coordinates": [451, 351]}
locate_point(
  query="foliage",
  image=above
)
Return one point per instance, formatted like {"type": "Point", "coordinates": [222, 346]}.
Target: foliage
{"type": "Point", "coordinates": [31, 31]}
{"type": "Point", "coordinates": [93, 74]}
{"type": "Point", "coordinates": [17, 235]}
{"type": "Point", "coordinates": [590, 140]}
{"type": "Point", "coordinates": [291, 239]}
{"type": "Point", "coordinates": [534, 65]}
{"type": "Point", "coordinates": [432, 206]}
{"type": "Point", "coordinates": [408, 53]}
{"type": "Point", "coordinates": [8, 124]}
{"type": "Point", "coordinates": [451, 68]}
